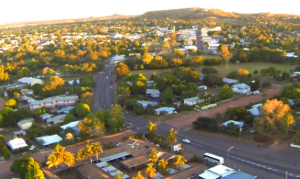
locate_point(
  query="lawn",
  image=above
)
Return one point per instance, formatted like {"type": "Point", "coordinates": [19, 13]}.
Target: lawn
{"type": "Point", "coordinates": [148, 73]}
{"type": "Point", "coordinates": [70, 78]}
{"type": "Point", "coordinates": [211, 56]}
{"type": "Point", "coordinates": [248, 66]}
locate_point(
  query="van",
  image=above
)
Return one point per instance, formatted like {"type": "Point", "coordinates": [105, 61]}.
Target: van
{"type": "Point", "coordinates": [249, 93]}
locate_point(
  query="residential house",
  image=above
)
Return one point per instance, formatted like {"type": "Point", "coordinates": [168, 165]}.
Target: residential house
{"type": "Point", "coordinates": [65, 110]}
{"type": "Point", "coordinates": [192, 101]}
{"type": "Point", "coordinates": [146, 103]}
{"type": "Point", "coordinates": [241, 88]}
{"type": "Point", "coordinates": [164, 110]}
{"type": "Point", "coordinates": [58, 101]}
{"type": "Point", "coordinates": [25, 123]}
{"type": "Point", "coordinates": [57, 119]}
{"type": "Point", "coordinates": [48, 140]}
{"type": "Point", "coordinates": [254, 111]}
{"type": "Point", "coordinates": [202, 87]}
{"type": "Point", "coordinates": [230, 81]}
{"type": "Point", "coordinates": [45, 116]}
{"type": "Point", "coordinates": [237, 123]}
{"type": "Point", "coordinates": [30, 81]}
{"type": "Point", "coordinates": [16, 143]}
{"type": "Point", "coordinates": [150, 84]}
{"type": "Point", "coordinates": [154, 93]}
{"type": "Point", "coordinates": [72, 125]}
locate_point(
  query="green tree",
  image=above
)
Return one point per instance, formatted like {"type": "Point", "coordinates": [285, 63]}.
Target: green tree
{"type": "Point", "coordinates": [35, 174]}
{"type": "Point", "coordinates": [167, 95]}
{"type": "Point", "coordinates": [91, 125]}
{"type": "Point", "coordinates": [179, 161]}
{"type": "Point", "coordinates": [87, 98]}
{"type": "Point", "coordinates": [297, 138]}
{"type": "Point", "coordinates": [82, 110]}
{"type": "Point", "coordinates": [27, 167]}
{"type": "Point", "coordinates": [171, 137]}
{"type": "Point", "coordinates": [209, 124]}
{"type": "Point", "coordinates": [69, 118]}
{"type": "Point", "coordinates": [116, 116]}
{"type": "Point", "coordinates": [226, 92]}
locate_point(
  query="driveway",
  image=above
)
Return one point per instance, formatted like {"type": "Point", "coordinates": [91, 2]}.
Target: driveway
{"type": "Point", "coordinates": [186, 121]}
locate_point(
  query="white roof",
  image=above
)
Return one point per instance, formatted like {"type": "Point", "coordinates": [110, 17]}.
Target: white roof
{"type": "Point", "coordinates": [102, 164]}
{"type": "Point", "coordinates": [164, 109]}
{"type": "Point", "coordinates": [28, 80]}
{"type": "Point", "coordinates": [254, 111]}
{"type": "Point", "coordinates": [230, 81]}
{"type": "Point", "coordinates": [238, 123]}
{"type": "Point", "coordinates": [151, 91]}
{"type": "Point", "coordinates": [116, 58]}
{"type": "Point", "coordinates": [241, 86]}
{"type": "Point", "coordinates": [221, 170]}
{"type": "Point", "coordinates": [47, 140]}
{"type": "Point", "coordinates": [70, 125]}
{"type": "Point", "coordinates": [17, 143]}
{"type": "Point", "coordinates": [209, 175]}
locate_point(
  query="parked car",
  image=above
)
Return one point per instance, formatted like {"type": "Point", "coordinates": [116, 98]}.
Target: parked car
{"type": "Point", "coordinates": [31, 148]}
{"type": "Point", "coordinates": [118, 144]}
{"type": "Point", "coordinates": [256, 92]}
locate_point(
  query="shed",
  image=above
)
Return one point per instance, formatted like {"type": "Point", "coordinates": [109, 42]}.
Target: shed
{"type": "Point", "coordinates": [240, 88]}
{"type": "Point", "coordinates": [16, 143]}
{"type": "Point", "coordinates": [25, 123]}
{"type": "Point", "coordinates": [192, 101]}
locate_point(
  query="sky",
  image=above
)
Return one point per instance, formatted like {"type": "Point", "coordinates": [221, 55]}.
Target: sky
{"type": "Point", "coordinates": [35, 10]}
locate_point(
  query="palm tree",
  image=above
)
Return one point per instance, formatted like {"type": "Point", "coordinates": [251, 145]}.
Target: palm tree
{"type": "Point", "coordinates": [52, 161]}
{"type": "Point", "coordinates": [69, 159]}
{"type": "Point", "coordinates": [96, 148]}
{"type": "Point", "coordinates": [152, 128]}
{"type": "Point", "coordinates": [150, 171]}
{"type": "Point", "coordinates": [171, 138]}
{"type": "Point", "coordinates": [162, 164]}
{"type": "Point", "coordinates": [118, 176]}
{"type": "Point", "coordinates": [153, 155]}
{"type": "Point", "coordinates": [81, 154]}
{"type": "Point", "coordinates": [139, 176]}
{"type": "Point", "coordinates": [57, 157]}
{"type": "Point", "coordinates": [180, 161]}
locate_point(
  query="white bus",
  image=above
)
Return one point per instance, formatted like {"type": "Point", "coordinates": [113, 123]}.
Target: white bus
{"type": "Point", "coordinates": [213, 158]}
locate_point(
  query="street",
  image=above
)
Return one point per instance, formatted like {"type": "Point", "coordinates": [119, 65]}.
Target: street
{"type": "Point", "coordinates": [260, 161]}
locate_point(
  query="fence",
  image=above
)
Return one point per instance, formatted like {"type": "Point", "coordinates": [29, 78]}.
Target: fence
{"type": "Point", "coordinates": [226, 100]}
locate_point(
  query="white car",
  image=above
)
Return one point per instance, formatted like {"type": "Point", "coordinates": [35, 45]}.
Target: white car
{"type": "Point", "coordinates": [186, 141]}
{"type": "Point", "coordinates": [107, 77]}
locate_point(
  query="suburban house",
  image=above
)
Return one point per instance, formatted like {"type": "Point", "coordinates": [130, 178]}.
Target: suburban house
{"type": "Point", "coordinates": [237, 123]}
{"type": "Point", "coordinates": [202, 87]}
{"type": "Point", "coordinates": [146, 103]}
{"type": "Point", "coordinates": [154, 93]}
{"type": "Point", "coordinates": [241, 88]}
{"type": "Point", "coordinates": [30, 81]}
{"type": "Point", "coordinates": [48, 140]}
{"type": "Point", "coordinates": [26, 92]}
{"type": "Point", "coordinates": [65, 110]}
{"type": "Point", "coordinates": [16, 143]}
{"type": "Point", "coordinates": [116, 59]}
{"type": "Point", "coordinates": [57, 119]}
{"type": "Point", "coordinates": [25, 123]}
{"type": "Point", "coordinates": [72, 125]}
{"type": "Point", "coordinates": [164, 110]}
{"type": "Point", "coordinates": [192, 101]}
{"type": "Point", "coordinates": [58, 101]}
{"type": "Point", "coordinates": [150, 84]}
{"type": "Point", "coordinates": [254, 111]}
{"type": "Point", "coordinates": [230, 81]}
{"type": "Point", "coordinates": [221, 171]}
{"type": "Point", "coordinates": [45, 116]}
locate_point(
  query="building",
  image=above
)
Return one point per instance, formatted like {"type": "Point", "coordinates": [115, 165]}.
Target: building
{"type": "Point", "coordinates": [222, 172]}
{"type": "Point", "coordinates": [25, 123]}
{"type": "Point", "coordinates": [16, 143]}
{"type": "Point", "coordinates": [230, 81]}
{"type": "Point", "coordinates": [202, 87]}
{"type": "Point", "coordinates": [53, 102]}
{"type": "Point", "coordinates": [164, 110]}
{"type": "Point", "coordinates": [91, 171]}
{"type": "Point", "coordinates": [192, 101]}
{"type": "Point", "coordinates": [237, 123]}
{"type": "Point", "coordinates": [190, 173]}
{"type": "Point", "coordinates": [72, 125]}
{"type": "Point", "coordinates": [48, 140]}
{"type": "Point", "coordinates": [241, 88]}
{"type": "Point", "coordinates": [254, 111]}
{"type": "Point", "coordinates": [146, 103]}
{"type": "Point", "coordinates": [45, 116]}
{"type": "Point", "coordinates": [65, 110]}
{"type": "Point", "coordinates": [116, 59]}
{"type": "Point", "coordinates": [30, 81]}
{"type": "Point", "coordinates": [57, 119]}
{"type": "Point", "coordinates": [150, 84]}
{"type": "Point", "coordinates": [154, 93]}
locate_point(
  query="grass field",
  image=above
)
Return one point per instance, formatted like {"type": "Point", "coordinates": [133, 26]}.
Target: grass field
{"type": "Point", "coordinates": [71, 78]}
{"type": "Point", "coordinates": [148, 73]}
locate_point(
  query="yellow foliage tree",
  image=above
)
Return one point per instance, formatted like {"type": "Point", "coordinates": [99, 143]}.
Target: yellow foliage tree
{"type": "Point", "coordinates": [242, 72]}
{"type": "Point", "coordinates": [275, 117]}
{"type": "Point", "coordinates": [147, 58]}
{"type": "Point", "coordinates": [122, 69]}
{"type": "Point", "coordinates": [53, 83]}
{"type": "Point", "coordinates": [87, 98]}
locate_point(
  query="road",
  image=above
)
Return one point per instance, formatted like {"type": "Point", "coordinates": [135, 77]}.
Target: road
{"type": "Point", "coordinates": [200, 45]}
{"type": "Point", "coordinates": [259, 161]}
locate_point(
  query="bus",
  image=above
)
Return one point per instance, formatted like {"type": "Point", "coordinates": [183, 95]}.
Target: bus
{"type": "Point", "coordinates": [213, 158]}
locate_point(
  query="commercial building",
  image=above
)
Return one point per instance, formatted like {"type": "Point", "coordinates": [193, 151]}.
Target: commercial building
{"type": "Point", "coordinates": [30, 81]}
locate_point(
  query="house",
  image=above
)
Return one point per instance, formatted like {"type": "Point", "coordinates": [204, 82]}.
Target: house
{"type": "Point", "coordinates": [230, 81]}
{"type": "Point", "coordinates": [48, 140]}
{"type": "Point", "coordinates": [25, 123]}
{"type": "Point", "coordinates": [16, 143]}
{"type": "Point", "coordinates": [213, 48]}
{"type": "Point", "coordinates": [45, 116]}
{"type": "Point", "coordinates": [30, 81]}
{"type": "Point", "coordinates": [237, 123]}
{"type": "Point", "coordinates": [146, 103]}
{"type": "Point", "coordinates": [221, 171]}
{"type": "Point", "coordinates": [254, 111]}
{"type": "Point", "coordinates": [72, 125]}
{"type": "Point", "coordinates": [92, 172]}
{"type": "Point", "coordinates": [192, 101]}
{"type": "Point", "coordinates": [65, 110]}
{"type": "Point", "coordinates": [164, 110]}
{"type": "Point", "coordinates": [291, 102]}
{"type": "Point", "coordinates": [58, 101]}
{"type": "Point", "coordinates": [190, 173]}
{"type": "Point", "coordinates": [190, 47]}
{"type": "Point", "coordinates": [26, 92]}
{"type": "Point", "coordinates": [154, 93]}
{"type": "Point", "coordinates": [57, 119]}
{"type": "Point", "coordinates": [241, 88]}
{"type": "Point", "coordinates": [202, 87]}
{"type": "Point", "coordinates": [150, 84]}
{"type": "Point", "coordinates": [116, 59]}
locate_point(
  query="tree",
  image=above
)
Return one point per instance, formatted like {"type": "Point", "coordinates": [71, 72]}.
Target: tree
{"type": "Point", "coordinates": [91, 125]}
{"type": "Point", "coordinates": [224, 53]}
{"type": "Point", "coordinates": [147, 58]}
{"type": "Point", "coordinates": [212, 79]}
{"type": "Point", "coordinates": [139, 176]}
{"type": "Point", "coordinates": [242, 72]}
{"type": "Point", "coordinates": [82, 109]}
{"type": "Point", "coordinates": [167, 95]}
{"type": "Point", "coordinates": [297, 138]}
{"type": "Point", "coordinates": [226, 92]}
{"type": "Point", "coordinates": [122, 69]}
{"type": "Point", "coordinates": [87, 98]}
{"type": "Point", "coordinates": [255, 72]}
{"type": "Point", "coordinates": [69, 118]}
{"type": "Point", "coordinates": [179, 161]}
{"type": "Point", "coordinates": [209, 70]}
{"type": "Point", "coordinates": [96, 148]}
{"type": "Point", "coordinates": [118, 176]}
{"type": "Point", "coordinates": [150, 171]}
{"type": "Point", "coordinates": [162, 164]}
{"type": "Point", "coordinates": [171, 138]}
{"type": "Point", "coordinates": [116, 116]}
{"type": "Point", "coordinates": [152, 128]}
{"type": "Point", "coordinates": [275, 117]}
{"type": "Point", "coordinates": [209, 124]}
{"type": "Point", "coordinates": [60, 157]}
{"type": "Point", "coordinates": [54, 86]}
{"type": "Point", "coordinates": [28, 168]}
{"type": "Point", "coordinates": [12, 103]}
{"type": "Point", "coordinates": [263, 71]}
{"type": "Point", "coordinates": [266, 84]}
{"type": "Point", "coordinates": [153, 155]}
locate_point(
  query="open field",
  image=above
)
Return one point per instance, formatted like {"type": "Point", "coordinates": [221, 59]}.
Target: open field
{"type": "Point", "coordinates": [70, 78]}
{"type": "Point", "coordinates": [148, 73]}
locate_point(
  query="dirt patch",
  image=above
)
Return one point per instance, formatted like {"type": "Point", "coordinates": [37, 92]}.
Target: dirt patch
{"type": "Point", "coordinates": [187, 120]}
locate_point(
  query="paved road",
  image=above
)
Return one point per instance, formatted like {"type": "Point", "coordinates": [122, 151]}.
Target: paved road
{"type": "Point", "coordinates": [200, 45]}
{"type": "Point", "coordinates": [40, 157]}
{"type": "Point", "coordinates": [260, 161]}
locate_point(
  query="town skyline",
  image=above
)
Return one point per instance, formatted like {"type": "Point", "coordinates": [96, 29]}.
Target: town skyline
{"type": "Point", "coordinates": [33, 10]}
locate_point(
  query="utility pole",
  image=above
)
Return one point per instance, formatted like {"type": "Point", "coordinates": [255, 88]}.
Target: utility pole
{"type": "Point", "coordinates": [286, 174]}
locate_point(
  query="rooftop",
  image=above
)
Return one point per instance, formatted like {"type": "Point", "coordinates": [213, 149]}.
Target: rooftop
{"type": "Point", "coordinates": [47, 140]}
{"type": "Point", "coordinates": [192, 99]}
{"type": "Point", "coordinates": [93, 172]}
{"type": "Point", "coordinates": [188, 173]}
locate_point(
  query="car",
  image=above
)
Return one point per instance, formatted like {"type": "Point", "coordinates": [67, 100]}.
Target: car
{"type": "Point", "coordinates": [107, 77]}
{"type": "Point", "coordinates": [31, 148]}
{"type": "Point", "coordinates": [186, 141]}
{"type": "Point", "coordinates": [256, 92]}
{"type": "Point", "coordinates": [126, 112]}
{"type": "Point", "coordinates": [118, 144]}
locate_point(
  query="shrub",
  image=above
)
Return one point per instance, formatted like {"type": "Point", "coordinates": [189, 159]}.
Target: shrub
{"type": "Point", "coordinates": [196, 158]}
{"type": "Point", "coordinates": [108, 145]}
{"type": "Point", "coordinates": [186, 108]}
{"type": "Point", "coordinates": [266, 84]}
{"type": "Point", "coordinates": [7, 155]}
{"type": "Point", "coordinates": [260, 138]}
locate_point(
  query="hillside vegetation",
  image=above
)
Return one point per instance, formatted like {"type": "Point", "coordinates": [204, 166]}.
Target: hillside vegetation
{"type": "Point", "coordinates": [187, 13]}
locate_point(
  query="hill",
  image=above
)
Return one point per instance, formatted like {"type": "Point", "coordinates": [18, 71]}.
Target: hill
{"type": "Point", "coordinates": [187, 13]}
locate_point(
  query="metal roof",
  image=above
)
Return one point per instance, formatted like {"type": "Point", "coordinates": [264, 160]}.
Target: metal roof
{"type": "Point", "coordinates": [114, 156]}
